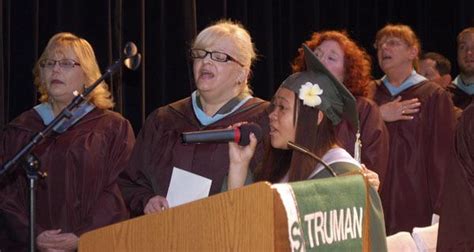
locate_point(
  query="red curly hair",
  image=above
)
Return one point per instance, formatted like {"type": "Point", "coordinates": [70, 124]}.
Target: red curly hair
{"type": "Point", "coordinates": [357, 63]}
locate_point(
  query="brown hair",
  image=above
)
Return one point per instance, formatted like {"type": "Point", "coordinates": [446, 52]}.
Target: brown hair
{"type": "Point", "coordinates": [443, 65]}
{"type": "Point", "coordinates": [316, 138]}
{"type": "Point", "coordinates": [100, 96]}
{"type": "Point", "coordinates": [403, 32]}
{"type": "Point", "coordinates": [357, 63]}
{"type": "Point", "coordinates": [464, 32]}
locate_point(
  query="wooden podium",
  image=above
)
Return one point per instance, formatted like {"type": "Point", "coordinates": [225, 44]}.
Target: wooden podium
{"type": "Point", "coordinates": [251, 218]}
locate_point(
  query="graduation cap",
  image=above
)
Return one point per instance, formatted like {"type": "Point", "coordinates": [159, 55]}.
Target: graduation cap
{"type": "Point", "coordinates": [334, 99]}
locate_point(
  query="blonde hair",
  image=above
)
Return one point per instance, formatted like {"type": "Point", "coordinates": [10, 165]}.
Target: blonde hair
{"type": "Point", "coordinates": [100, 96]}
{"type": "Point", "coordinates": [245, 51]}
{"type": "Point", "coordinates": [403, 32]}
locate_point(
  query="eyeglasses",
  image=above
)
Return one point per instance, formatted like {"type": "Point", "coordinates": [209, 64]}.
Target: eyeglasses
{"type": "Point", "coordinates": [216, 56]}
{"type": "Point", "coordinates": [63, 63]}
{"type": "Point", "coordinates": [391, 42]}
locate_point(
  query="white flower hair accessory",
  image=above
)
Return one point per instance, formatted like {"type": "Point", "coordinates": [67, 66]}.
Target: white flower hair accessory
{"type": "Point", "coordinates": [309, 93]}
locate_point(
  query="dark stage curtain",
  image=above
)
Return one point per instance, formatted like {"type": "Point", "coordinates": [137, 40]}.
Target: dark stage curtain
{"type": "Point", "coordinates": [163, 31]}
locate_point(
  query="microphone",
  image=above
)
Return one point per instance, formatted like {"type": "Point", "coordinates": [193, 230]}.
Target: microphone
{"type": "Point", "coordinates": [132, 57]}
{"type": "Point", "coordinates": [130, 49]}
{"type": "Point", "coordinates": [240, 135]}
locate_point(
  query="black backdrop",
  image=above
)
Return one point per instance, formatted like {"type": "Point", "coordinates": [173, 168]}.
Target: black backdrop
{"type": "Point", "coordinates": [163, 30]}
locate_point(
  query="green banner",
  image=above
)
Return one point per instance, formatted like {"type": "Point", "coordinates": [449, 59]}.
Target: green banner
{"type": "Point", "coordinates": [328, 215]}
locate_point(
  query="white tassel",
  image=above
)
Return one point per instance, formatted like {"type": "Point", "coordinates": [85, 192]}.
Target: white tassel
{"type": "Point", "coordinates": [358, 147]}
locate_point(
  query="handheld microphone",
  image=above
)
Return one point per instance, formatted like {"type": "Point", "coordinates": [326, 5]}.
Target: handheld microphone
{"type": "Point", "coordinates": [240, 135]}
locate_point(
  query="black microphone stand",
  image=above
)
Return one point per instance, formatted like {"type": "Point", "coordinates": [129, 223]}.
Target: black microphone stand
{"type": "Point", "coordinates": [309, 153]}
{"type": "Point", "coordinates": [131, 59]}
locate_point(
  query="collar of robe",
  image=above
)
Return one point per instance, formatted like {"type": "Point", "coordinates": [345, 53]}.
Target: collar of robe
{"type": "Point", "coordinates": [45, 111]}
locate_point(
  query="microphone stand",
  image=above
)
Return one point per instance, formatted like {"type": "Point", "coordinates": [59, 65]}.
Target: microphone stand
{"type": "Point", "coordinates": [131, 59]}
{"type": "Point", "coordinates": [309, 153]}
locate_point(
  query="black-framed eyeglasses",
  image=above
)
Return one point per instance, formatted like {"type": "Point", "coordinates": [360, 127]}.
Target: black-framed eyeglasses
{"type": "Point", "coordinates": [215, 55]}
{"type": "Point", "coordinates": [63, 63]}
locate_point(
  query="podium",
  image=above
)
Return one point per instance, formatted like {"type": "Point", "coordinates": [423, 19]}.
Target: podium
{"type": "Point", "coordinates": [251, 218]}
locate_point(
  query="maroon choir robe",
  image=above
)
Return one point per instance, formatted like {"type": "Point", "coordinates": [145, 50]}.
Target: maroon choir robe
{"type": "Point", "coordinates": [418, 157]}
{"type": "Point", "coordinates": [456, 225]}
{"type": "Point", "coordinates": [374, 137]}
{"type": "Point", "coordinates": [80, 192]}
{"type": "Point", "coordinates": [460, 98]}
{"type": "Point", "coordinates": [159, 148]}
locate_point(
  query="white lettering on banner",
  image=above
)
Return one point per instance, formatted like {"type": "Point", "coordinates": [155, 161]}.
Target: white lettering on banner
{"type": "Point", "coordinates": [358, 223]}
{"type": "Point", "coordinates": [297, 244]}
{"type": "Point", "coordinates": [348, 224]}
{"type": "Point", "coordinates": [327, 227]}
{"type": "Point", "coordinates": [318, 216]}
{"type": "Point", "coordinates": [308, 219]}
{"type": "Point", "coordinates": [338, 224]}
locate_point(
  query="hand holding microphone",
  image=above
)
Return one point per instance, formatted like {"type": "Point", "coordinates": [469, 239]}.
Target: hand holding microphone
{"type": "Point", "coordinates": [242, 152]}
{"type": "Point", "coordinates": [242, 138]}
{"type": "Point", "coordinates": [239, 159]}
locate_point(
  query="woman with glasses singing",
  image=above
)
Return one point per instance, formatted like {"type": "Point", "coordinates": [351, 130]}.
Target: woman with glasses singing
{"type": "Point", "coordinates": [82, 157]}
{"type": "Point", "coordinates": [222, 56]}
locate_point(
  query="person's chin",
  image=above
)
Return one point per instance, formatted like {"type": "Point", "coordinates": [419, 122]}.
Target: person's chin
{"type": "Point", "coordinates": [61, 96]}
{"type": "Point", "coordinates": [204, 82]}
{"type": "Point", "coordinates": [57, 92]}
{"type": "Point", "coordinates": [384, 65]}
{"type": "Point", "coordinates": [278, 144]}
{"type": "Point", "coordinates": [468, 67]}
{"type": "Point", "coordinates": [204, 87]}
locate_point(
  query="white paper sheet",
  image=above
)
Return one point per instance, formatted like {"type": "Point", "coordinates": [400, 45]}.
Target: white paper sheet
{"type": "Point", "coordinates": [186, 187]}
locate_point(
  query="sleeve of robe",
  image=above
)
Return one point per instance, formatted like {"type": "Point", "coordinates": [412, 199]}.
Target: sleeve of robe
{"type": "Point", "coordinates": [456, 225]}
{"type": "Point", "coordinates": [134, 182]}
{"type": "Point", "coordinates": [465, 146]}
{"type": "Point", "coordinates": [15, 208]}
{"type": "Point", "coordinates": [105, 208]}
{"type": "Point", "coordinates": [375, 138]}
{"type": "Point", "coordinates": [109, 207]}
{"type": "Point", "coordinates": [440, 129]}
{"type": "Point", "coordinates": [13, 200]}
{"type": "Point", "coordinates": [158, 147]}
